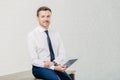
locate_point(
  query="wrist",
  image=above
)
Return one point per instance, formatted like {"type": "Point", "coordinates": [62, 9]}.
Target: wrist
{"type": "Point", "coordinates": [55, 64]}
{"type": "Point", "coordinates": [52, 67]}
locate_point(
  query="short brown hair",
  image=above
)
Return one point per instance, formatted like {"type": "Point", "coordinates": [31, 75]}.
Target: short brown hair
{"type": "Point", "coordinates": [43, 8]}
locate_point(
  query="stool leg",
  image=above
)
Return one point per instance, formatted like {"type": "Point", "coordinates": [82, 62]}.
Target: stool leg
{"type": "Point", "coordinates": [72, 76]}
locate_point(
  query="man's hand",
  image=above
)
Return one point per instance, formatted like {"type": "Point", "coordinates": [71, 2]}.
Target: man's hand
{"type": "Point", "coordinates": [47, 64]}
{"type": "Point", "coordinates": [60, 68]}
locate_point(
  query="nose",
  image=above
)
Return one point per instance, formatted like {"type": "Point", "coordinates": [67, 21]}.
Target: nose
{"type": "Point", "coordinates": [46, 18]}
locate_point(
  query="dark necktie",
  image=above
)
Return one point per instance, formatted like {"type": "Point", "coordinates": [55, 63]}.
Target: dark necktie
{"type": "Point", "coordinates": [52, 57]}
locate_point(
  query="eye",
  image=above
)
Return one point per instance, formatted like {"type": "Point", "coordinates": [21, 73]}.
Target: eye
{"type": "Point", "coordinates": [42, 16]}
{"type": "Point", "coordinates": [48, 16]}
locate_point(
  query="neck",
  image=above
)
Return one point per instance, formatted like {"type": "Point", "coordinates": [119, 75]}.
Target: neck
{"type": "Point", "coordinates": [44, 27]}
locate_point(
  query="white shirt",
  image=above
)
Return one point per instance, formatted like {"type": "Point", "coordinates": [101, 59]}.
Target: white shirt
{"type": "Point", "coordinates": [38, 47]}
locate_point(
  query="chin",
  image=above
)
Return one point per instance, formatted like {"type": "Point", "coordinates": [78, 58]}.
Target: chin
{"type": "Point", "coordinates": [46, 27]}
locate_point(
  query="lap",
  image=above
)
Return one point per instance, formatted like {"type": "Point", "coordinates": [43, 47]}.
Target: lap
{"type": "Point", "coordinates": [44, 73]}
{"type": "Point", "coordinates": [49, 74]}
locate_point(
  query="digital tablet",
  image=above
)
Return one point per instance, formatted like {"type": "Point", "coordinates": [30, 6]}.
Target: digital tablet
{"type": "Point", "coordinates": [70, 62]}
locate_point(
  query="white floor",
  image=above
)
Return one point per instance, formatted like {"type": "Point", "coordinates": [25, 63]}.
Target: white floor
{"type": "Point", "coordinates": [18, 76]}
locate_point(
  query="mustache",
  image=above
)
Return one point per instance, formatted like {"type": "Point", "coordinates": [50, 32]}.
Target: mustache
{"type": "Point", "coordinates": [47, 21]}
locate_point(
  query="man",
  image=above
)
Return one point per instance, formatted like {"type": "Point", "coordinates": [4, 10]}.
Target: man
{"type": "Point", "coordinates": [46, 49]}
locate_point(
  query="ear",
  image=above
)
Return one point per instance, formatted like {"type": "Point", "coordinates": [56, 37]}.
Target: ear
{"type": "Point", "coordinates": [37, 17]}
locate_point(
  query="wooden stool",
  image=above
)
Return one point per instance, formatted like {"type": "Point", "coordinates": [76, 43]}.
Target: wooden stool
{"type": "Point", "coordinates": [71, 74]}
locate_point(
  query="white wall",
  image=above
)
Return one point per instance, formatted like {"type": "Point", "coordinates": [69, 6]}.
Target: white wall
{"type": "Point", "coordinates": [89, 28]}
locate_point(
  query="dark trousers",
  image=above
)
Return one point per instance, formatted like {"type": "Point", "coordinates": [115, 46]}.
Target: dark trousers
{"type": "Point", "coordinates": [48, 74]}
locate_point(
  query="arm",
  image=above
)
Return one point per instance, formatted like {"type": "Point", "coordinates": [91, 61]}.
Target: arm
{"type": "Point", "coordinates": [33, 54]}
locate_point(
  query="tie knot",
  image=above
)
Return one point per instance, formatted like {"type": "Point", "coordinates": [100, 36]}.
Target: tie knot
{"type": "Point", "coordinates": [46, 31]}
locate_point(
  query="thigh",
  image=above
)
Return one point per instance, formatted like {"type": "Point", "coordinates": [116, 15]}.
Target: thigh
{"type": "Point", "coordinates": [63, 75]}
{"type": "Point", "coordinates": [44, 73]}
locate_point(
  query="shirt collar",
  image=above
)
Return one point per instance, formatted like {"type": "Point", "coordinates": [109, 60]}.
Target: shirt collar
{"type": "Point", "coordinates": [41, 29]}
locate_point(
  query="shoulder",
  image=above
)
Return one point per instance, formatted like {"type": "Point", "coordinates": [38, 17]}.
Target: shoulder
{"type": "Point", "coordinates": [53, 31]}
{"type": "Point", "coordinates": [32, 33]}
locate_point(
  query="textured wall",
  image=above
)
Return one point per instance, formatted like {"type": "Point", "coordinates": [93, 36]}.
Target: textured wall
{"type": "Point", "coordinates": [89, 28]}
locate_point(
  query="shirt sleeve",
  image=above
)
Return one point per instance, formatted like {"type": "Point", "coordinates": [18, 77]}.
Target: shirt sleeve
{"type": "Point", "coordinates": [35, 61]}
{"type": "Point", "coordinates": [52, 67]}
{"type": "Point", "coordinates": [61, 52]}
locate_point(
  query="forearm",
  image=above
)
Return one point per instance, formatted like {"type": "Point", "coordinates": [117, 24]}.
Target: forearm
{"type": "Point", "coordinates": [37, 62]}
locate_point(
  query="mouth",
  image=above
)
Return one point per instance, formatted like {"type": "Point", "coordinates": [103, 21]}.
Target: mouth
{"type": "Point", "coordinates": [46, 22]}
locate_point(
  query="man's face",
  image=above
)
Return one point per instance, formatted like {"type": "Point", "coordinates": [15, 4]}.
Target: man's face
{"type": "Point", "coordinates": [44, 18]}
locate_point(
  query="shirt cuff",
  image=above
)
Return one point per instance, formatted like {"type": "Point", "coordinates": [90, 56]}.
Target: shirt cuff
{"type": "Point", "coordinates": [52, 67]}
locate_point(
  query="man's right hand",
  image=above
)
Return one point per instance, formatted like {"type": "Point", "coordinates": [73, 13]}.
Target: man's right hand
{"type": "Point", "coordinates": [60, 68]}
{"type": "Point", "coordinates": [47, 64]}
